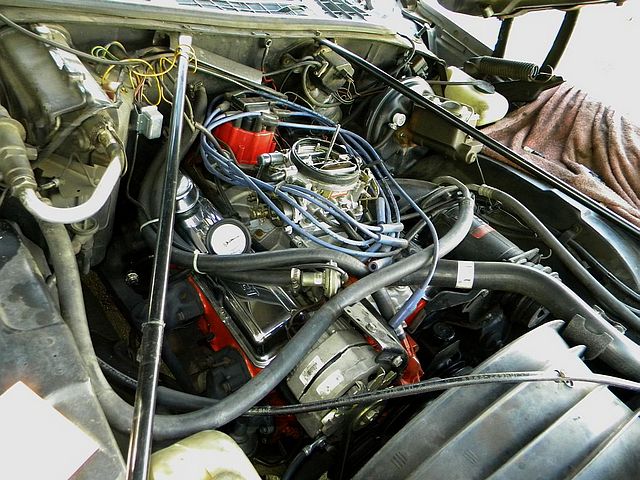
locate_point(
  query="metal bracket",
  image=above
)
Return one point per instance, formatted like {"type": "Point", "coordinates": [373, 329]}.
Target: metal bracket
{"type": "Point", "coordinates": [392, 351]}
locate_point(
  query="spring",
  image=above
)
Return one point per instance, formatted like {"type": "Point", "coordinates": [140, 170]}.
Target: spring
{"type": "Point", "coordinates": [501, 67]}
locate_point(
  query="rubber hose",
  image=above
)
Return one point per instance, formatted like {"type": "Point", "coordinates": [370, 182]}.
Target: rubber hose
{"type": "Point", "coordinates": [560, 251]}
{"type": "Point", "coordinates": [119, 413]}
{"type": "Point", "coordinates": [73, 311]}
{"type": "Point", "coordinates": [283, 278]}
{"type": "Point", "coordinates": [384, 303]}
{"type": "Point", "coordinates": [174, 399]}
{"type": "Point", "coordinates": [264, 260]}
{"type": "Point", "coordinates": [621, 353]}
{"type": "Point", "coordinates": [292, 468]}
{"type": "Point", "coordinates": [154, 173]}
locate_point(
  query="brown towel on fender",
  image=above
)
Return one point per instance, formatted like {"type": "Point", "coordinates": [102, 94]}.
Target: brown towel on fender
{"type": "Point", "coordinates": [584, 142]}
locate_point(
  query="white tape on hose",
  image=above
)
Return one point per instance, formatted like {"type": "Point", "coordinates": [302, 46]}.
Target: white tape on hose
{"type": "Point", "coordinates": [465, 275]}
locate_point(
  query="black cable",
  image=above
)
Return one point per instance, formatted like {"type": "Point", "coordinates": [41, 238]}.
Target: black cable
{"type": "Point", "coordinates": [132, 167]}
{"type": "Point", "coordinates": [478, 135]}
{"type": "Point", "coordinates": [623, 287]}
{"type": "Point", "coordinates": [347, 435]}
{"type": "Point", "coordinates": [410, 56]}
{"type": "Point", "coordinates": [613, 304]}
{"type": "Point", "coordinates": [435, 385]}
{"type": "Point", "coordinates": [620, 353]}
{"type": "Point", "coordinates": [294, 466]}
{"type": "Point", "coordinates": [428, 386]}
{"type": "Point", "coordinates": [289, 68]}
{"type": "Point", "coordinates": [61, 46]}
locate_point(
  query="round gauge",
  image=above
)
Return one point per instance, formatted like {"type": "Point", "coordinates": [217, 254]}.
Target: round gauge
{"type": "Point", "coordinates": [228, 237]}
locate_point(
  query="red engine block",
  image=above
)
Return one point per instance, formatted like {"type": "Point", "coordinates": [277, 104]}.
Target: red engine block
{"type": "Point", "coordinates": [212, 326]}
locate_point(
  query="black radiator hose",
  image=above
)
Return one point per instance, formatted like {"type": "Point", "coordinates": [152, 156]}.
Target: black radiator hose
{"type": "Point", "coordinates": [261, 277]}
{"type": "Point", "coordinates": [249, 262]}
{"type": "Point", "coordinates": [254, 268]}
{"type": "Point", "coordinates": [119, 413]}
{"type": "Point", "coordinates": [621, 353]}
{"type": "Point", "coordinates": [600, 337]}
{"type": "Point", "coordinates": [608, 300]}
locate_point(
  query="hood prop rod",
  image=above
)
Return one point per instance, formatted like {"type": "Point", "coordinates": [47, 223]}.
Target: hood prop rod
{"type": "Point", "coordinates": [152, 330]}
{"type": "Point", "coordinates": [481, 137]}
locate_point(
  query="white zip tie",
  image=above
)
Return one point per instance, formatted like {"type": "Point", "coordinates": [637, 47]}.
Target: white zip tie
{"type": "Point", "coordinates": [150, 222]}
{"type": "Point", "coordinates": [196, 253]}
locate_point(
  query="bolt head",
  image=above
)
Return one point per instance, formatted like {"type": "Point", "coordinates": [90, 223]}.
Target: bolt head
{"type": "Point", "coordinates": [132, 279]}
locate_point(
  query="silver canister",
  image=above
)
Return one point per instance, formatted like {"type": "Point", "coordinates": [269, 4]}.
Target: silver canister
{"type": "Point", "coordinates": [195, 214]}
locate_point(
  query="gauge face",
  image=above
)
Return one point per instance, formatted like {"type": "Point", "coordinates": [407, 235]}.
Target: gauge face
{"type": "Point", "coordinates": [229, 237]}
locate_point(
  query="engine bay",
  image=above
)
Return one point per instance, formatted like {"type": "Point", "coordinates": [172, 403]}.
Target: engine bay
{"type": "Point", "coordinates": [336, 251]}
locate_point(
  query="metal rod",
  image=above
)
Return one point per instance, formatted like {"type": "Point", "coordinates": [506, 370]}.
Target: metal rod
{"type": "Point", "coordinates": [503, 37]}
{"type": "Point", "coordinates": [333, 143]}
{"type": "Point", "coordinates": [153, 329]}
{"type": "Point", "coordinates": [562, 39]}
{"type": "Point", "coordinates": [476, 134]}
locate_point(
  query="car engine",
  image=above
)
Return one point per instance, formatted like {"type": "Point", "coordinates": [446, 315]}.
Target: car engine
{"type": "Point", "coordinates": [300, 242]}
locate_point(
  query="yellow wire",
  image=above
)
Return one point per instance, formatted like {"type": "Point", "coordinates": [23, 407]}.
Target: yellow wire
{"type": "Point", "coordinates": [158, 74]}
{"type": "Point", "coordinates": [105, 75]}
{"type": "Point", "coordinates": [116, 43]}
{"type": "Point", "coordinates": [157, 71]}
